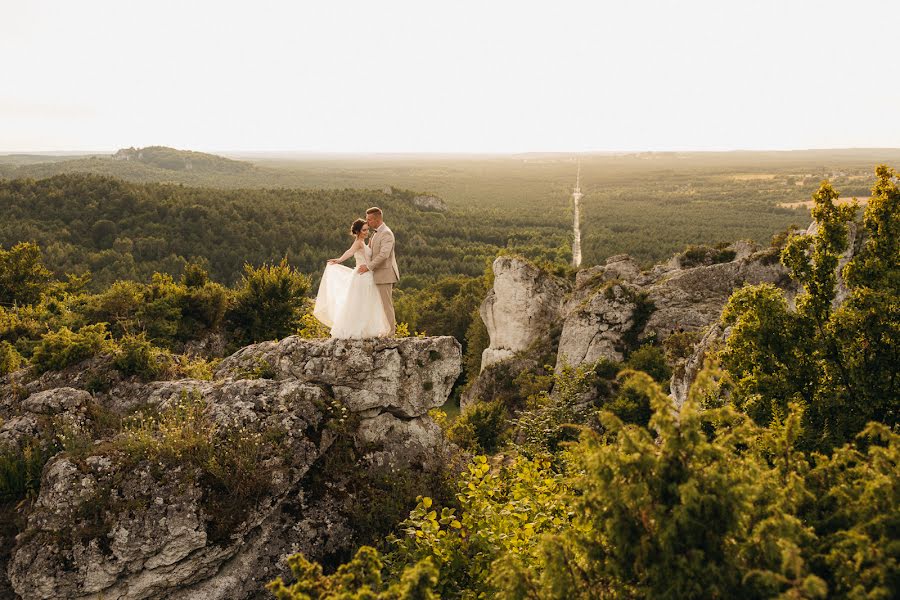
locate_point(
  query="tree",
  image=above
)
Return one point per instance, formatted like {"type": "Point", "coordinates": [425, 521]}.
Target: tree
{"type": "Point", "coordinates": [839, 362]}
{"type": "Point", "coordinates": [23, 277]}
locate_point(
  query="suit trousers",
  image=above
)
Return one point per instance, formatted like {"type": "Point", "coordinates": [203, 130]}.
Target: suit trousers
{"type": "Point", "coordinates": [387, 300]}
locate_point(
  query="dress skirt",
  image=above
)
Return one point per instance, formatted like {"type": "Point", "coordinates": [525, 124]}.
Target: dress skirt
{"type": "Point", "coordinates": [349, 303]}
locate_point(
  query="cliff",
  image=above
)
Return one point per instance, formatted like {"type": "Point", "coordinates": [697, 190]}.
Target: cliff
{"type": "Point", "coordinates": [197, 489]}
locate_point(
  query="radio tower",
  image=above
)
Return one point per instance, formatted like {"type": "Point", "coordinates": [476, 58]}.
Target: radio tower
{"type": "Point", "coordinates": [576, 199]}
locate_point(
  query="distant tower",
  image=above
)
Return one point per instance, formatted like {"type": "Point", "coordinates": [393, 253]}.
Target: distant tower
{"type": "Point", "coordinates": [576, 228]}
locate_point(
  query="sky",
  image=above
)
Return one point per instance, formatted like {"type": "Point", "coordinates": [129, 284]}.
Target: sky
{"type": "Point", "coordinates": [448, 76]}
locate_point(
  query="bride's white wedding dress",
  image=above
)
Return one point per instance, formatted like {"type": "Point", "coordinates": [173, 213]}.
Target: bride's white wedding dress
{"type": "Point", "coordinates": [349, 303]}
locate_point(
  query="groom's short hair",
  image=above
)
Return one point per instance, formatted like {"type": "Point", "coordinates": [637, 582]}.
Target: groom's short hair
{"type": "Point", "coordinates": [374, 211]}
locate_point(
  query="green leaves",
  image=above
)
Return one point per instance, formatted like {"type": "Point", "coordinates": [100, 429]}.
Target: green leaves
{"type": "Point", "coordinates": [270, 302]}
{"type": "Point", "coordinates": [838, 361]}
{"type": "Point", "coordinates": [23, 277]}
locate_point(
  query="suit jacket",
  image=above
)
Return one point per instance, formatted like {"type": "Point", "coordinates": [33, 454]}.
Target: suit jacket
{"type": "Point", "coordinates": [383, 263]}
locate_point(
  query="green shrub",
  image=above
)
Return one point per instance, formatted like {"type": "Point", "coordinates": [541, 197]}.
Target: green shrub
{"type": "Point", "coordinates": [203, 309]}
{"type": "Point", "coordinates": [20, 469]}
{"type": "Point", "coordinates": [269, 303]}
{"type": "Point", "coordinates": [59, 349]}
{"type": "Point", "coordinates": [679, 345]}
{"type": "Point", "coordinates": [480, 427]}
{"type": "Point", "coordinates": [10, 359]}
{"type": "Point", "coordinates": [696, 256]}
{"type": "Point", "coordinates": [503, 509]}
{"type": "Point", "coordinates": [197, 367]}
{"type": "Point", "coordinates": [651, 360]}
{"type": "Point", "coordinates": [120, 305]}
{"type": "Point", "coordinates": [23, 276]}
{"type": "Point", "coordinates": [631, 403]}
{"type": "Point", "coordinates": [310, 327]}
{"type": "Point", "coordinates": [261, 369]}
{"type": "Point", "coordinates": [137, 356]}
{"type": "Point", "coordinates": [359, 579]}
{"type": "Point", "coordinates": [548, 420]}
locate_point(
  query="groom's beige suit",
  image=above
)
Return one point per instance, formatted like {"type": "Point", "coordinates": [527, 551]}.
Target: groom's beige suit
{"type": "Point", "coordinates": [383, 265]}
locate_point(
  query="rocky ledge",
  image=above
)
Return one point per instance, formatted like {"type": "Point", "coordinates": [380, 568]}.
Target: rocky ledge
{"type": "Point", "coordinates": [206, 495]}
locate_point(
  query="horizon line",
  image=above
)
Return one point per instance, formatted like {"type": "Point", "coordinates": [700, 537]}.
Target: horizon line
{"type": "Point", "coordinates": [83, 152]}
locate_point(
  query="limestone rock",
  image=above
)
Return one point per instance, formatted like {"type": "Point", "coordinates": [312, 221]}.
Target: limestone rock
{"type": "Point", "coordinates": [114, 524]}
{"type": "Point", "coordinates": [694, 298]}
{"type": "Point", "coordinates": [33, 417]}
{"type": "Point", "coordinates": [519, 308]}
{"type": "Point", "coordinates": [595, 328]}
{"type": "Point", "coordinates": [683, 376]}
{"type": "Point", "coordinates": [405, 376]}
{"type": "Point", "coordinates": [430, 203]}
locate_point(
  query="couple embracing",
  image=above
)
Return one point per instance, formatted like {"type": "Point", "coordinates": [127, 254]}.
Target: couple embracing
{"type": "Point", "coordinates": [358, 303]}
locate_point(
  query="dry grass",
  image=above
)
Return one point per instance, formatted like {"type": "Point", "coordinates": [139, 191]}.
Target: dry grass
{"type": "Point", "coordinates": [809, 203]}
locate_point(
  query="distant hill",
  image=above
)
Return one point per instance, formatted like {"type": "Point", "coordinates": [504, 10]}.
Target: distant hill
{"type": "Point", "coordinates": [150, 164]}
{"type": "Point", "coordinates": [171, 159]}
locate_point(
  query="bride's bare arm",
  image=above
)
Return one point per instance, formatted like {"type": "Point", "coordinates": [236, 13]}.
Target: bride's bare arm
{"type": "Point", "coordinates": [350, 252]}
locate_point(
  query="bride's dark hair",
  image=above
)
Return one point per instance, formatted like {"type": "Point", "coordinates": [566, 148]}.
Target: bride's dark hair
{"type": "Point", "coordinates": [357, 227]}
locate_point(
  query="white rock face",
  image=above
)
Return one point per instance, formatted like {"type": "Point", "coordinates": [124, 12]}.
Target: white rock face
{"type": "Point", "coordinates": [520, 307]}
{"type": "Point", "coordinates": [594, 328]}
{"type": "Point", "coordinates": [615, 305]}
{"type": "Point", "coordinates": [694, 298]}
{"type": "Point", "coordinates": [117, 527]}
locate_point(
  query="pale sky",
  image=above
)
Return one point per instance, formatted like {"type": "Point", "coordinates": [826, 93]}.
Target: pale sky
{"type": "Point", "coordinates": [449, 75]}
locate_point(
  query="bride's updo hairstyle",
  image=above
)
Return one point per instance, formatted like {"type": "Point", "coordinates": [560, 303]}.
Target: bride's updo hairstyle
{"type": "Point", "coordinates": [357, 227]}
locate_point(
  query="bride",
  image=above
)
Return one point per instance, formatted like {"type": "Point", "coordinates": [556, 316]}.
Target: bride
{"type": "Point", "coordinates": [348, 301]}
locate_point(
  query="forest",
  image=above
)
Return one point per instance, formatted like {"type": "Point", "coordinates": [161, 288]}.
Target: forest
{"type": "Point", "coordinates": [649, 205]}
{"type": "Point", "coordinates": [776, 479]}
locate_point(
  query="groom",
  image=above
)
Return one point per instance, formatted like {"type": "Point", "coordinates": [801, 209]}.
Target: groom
{"type": "Point", "coordinates": [383, 263]}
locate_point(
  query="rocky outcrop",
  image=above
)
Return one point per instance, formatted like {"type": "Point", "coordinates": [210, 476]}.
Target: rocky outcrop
{"type": "Point", "coordinates": [615, 307]}
{"type": "Point", "coordinates": [309, 416]}
{"type": "Point", "coordinates": [430, 203]}
{"type": "Point", "coordinates": [519, 308]}
{"type": "Point", "coordinates": [689, 299]}
{"type": "Point", "coordinates": [596, 327]}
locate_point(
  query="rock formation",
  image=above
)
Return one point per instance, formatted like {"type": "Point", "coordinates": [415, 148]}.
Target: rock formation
{"type": "Point", "coordinates": [110, 522]}
{"type": "Point", "coordinates": [519, 308]}
{"type": "Point", "coordinates": [614, 307]}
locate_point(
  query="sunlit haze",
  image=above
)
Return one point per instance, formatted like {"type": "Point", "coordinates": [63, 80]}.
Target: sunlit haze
{"type": "Point", "coordinates": [423, 76]}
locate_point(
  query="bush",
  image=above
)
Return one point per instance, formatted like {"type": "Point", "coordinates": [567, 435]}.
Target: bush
{"type": "Point", "coordinates": [359, 579]}
{"type": "Point", "coordinates": [23, 277]}
{"type": "Point", "coordinates": [696, 256]}
{"type": "Point", "coordinates": [59, 349]}
{"type": "Point", "coordinates": [197, 367]}
{"type": "Point", "coordinates": [679, 345]}
{"type": "Point", "coordinates": [10, 359]}
{"type": "Point", "coordinates": [651, 360]}
{"type": "Point", "coordinates": [203, 308]}
{"type": "Point", "coordinates": [310, 327]}
{"type": "Point", "coordinates": [269, 303]}
{"type": "Point", "coordinates": [137, 356]}
{"type": "Point", "coordinates": [631, 403]}
{"type": "Point", "coordinates": [479, 428]}
{"type": "Point", "coordinates": [20, 469]}
{"type": "Point", "coordinates": [549, 419]}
